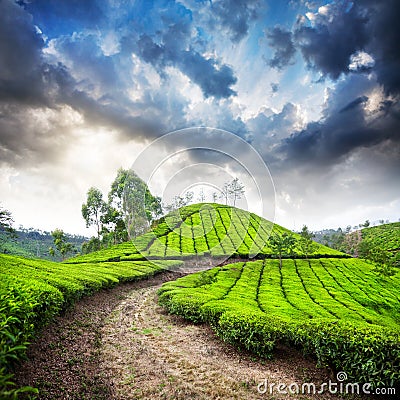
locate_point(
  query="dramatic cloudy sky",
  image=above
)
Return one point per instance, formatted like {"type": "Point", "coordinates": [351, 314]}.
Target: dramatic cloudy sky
{"type": "Point", "coordinates": [313, 86]}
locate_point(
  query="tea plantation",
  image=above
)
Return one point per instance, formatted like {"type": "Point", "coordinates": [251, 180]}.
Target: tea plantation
{"type": "Point", "coordinates": [32, 292]}
{"type": "Point", "coordinates": [326, 303]}
{"type": "Point", "coordinates": [205, 229]}
{"type": "Point", "coordinates": [336, 309]}
{"type": "Point", "coordinates": [386, 236]}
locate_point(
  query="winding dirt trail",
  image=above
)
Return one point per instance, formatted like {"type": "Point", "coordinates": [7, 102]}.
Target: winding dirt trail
{"type": "Point", "coordinates": [120, 344]}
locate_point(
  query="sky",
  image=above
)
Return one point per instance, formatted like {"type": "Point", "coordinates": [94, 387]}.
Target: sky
{"type": "Point", "coordinates": [312, 87]}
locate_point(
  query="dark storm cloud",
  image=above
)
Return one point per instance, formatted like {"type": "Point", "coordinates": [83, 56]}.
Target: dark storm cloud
{"type": "Point", "coordinates": [357, 115]}
{"type": "Point", "coordinates": [341, 134]}
{"type": "Point", "coordinates": [274, 87]}
{"type": "Point", "coordinates": [171, 40]}
{"type": "Point", "coordinates": [333, 38]}
{"type": "Point", "coordinates": [214, 80]}
{"type": "Point", "coordinates": [281, 42]}
{"type": "Point", "coordinates": [384, 28]}
{"type": "Point", "coordinates": [34, 86]}
{"type": "Point", "coordinates": [345, 28]}
{"type": "Point", "coordinates": [355, 103]}
{"type": "Point", "coordinates": [22, 72]}
{"type": "Point", "coordinates": [235, 16]}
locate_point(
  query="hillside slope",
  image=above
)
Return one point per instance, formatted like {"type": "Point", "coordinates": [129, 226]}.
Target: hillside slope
{"type": "Point", "coordinates": [204, 229]}
{"type": "Point", "coordinates": [386, 236]}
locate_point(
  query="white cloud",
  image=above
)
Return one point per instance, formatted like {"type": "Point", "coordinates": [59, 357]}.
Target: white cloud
{"type": "Point", "coordinates": [361, 60]}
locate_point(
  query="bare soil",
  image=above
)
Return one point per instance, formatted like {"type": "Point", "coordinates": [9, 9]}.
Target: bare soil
{"type": "Point", "coordinates": [120, 344]}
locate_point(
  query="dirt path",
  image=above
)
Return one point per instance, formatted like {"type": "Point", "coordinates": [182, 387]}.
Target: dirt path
{"type": "Point", "coordinates": [119, 344]}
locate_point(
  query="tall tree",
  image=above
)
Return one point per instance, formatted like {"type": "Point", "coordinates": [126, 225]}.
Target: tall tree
{"type": "Point", "coordinates": [94, 209]}
{"type": "Point", "coordinates": [202, 197]}
{"type": "Point", "coordinates": [188, 197]}
{"type": "Point", "coordinates": [385, 262]}
{"type": "Point", "coordinates": [6, 221]}
{"type": "Point", "coordinates": [131, 197]}
{"type": "Point", "coordinates": [282, 245]}
{"type": "Point", "coordinates": [225, 192]}
{"type": "Point", "coordinates": [61, 244]}
{"type": "Point", "coordinates": [236, 190]}
{"type": "Point", "coordinates": [306, 244]}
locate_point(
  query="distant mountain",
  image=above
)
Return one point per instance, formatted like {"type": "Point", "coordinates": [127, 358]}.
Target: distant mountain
{"type": "Point", "coordinates": [31, 242]}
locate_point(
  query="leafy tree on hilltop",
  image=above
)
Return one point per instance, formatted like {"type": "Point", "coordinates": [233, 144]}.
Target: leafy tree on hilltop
{"type": "Point", "coordinates": [6, 221]}
{"type": "Point", "coordinates": [225, 192]}
{"type": "Point", "coordinates": [306, 244]}
{"type": "Point", "coordinates": [128, 211]}
{"type": "Point", "coordinates": [282, 244]}
{"type": "Point", "coordinates": [61, 244]}
{"type": "Point", "coordinates": [232, 190]}
{"type": "Point", "coordinates": [94, 209]}
{"type": "Point", "coordinates": [236, 190]}
{"type": "Point", "coordinates": [134, 203]}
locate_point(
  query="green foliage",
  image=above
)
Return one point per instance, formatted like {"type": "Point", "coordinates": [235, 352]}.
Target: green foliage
{"type": "Point", "coordinates": [335, 309]}
{"type": "Point", "coordinates": [386, 263]}
{"type": "Point", "coordinates": [127, 213]}
{"type": "Point", "coordinates": [6, 220]}
{"type": "Point", "coordinates": [216, 230]}
{"type": "Point", "coordinates": [386, 236]}
{"type": "Point", "coordinates": [282, 245]}
{"type": "Point", "coordinates": [32, 292]}
{"type": "Point", "coordinates": [305, 243]}
{"type": "Point", "coordinates": [381, 246]}
{"type": "Point", "coordinates": [30, 242]}
{"type": "Point", "coordinates": [61, 244]}
{"type": "Point", "coordinates": [94, 209]}
{"type": "Point", "coordinates": [6, 229]}
{"type": "Point", "coordinates": [136, 206]}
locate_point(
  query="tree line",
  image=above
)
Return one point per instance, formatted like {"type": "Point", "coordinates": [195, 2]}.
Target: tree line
{"type": "Point", "coordinates": [229, 193]}
{"type": "Point", "coordinates": [126, 212]}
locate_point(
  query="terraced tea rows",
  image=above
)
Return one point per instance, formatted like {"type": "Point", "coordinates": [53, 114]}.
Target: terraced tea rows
{"type": "Point", "coordinates": [32, 292]}
{"type": "Point", "coordinates": [312, 303]}
{"type": "Point", "coordinates": [203, 229]}
{"type": "Point", "coordinates": [386, 236]}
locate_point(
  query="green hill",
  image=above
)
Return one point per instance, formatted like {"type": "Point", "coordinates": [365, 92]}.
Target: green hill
{"type": "Point", "coordinates": [205, 229]}
{"type": "Point", "coordinates": [386, 236]}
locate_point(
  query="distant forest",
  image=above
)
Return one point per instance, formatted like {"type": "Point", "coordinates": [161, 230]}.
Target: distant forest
{"type": "Point", "coordinates": [30, 242]}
